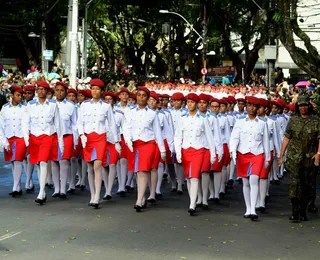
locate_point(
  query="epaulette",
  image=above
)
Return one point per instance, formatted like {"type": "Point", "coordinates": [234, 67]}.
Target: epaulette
{"type": "Point", "coordinates": [212, 114]}
{"type": "Point", "coordinates": [132, 108]}
{"type": "Point", "coordinates": [52, 100]}
{"type": "Point", "coordinates": [203, 115]}
{"type": "Point", "coordinates": [264, 119]}
{"type": "Point", "coordinates": [86, 101]}
{"type": "Point", "coordinates": [6, 104]}
{"type": "Point", "coordinates": [242, 117]}
{"type": "Point", "coordinates": [70, 101]}
{"type": "Point", "coordinates": [119, 111]}
{"type": "Point", "coordinates": [165, 110]}
{"type": "Point", "coordinates": [162, 112]}
{"type": "Point", "coordinates": [33, 101]}
{"type": "Point", "coordinates": [23, 104]}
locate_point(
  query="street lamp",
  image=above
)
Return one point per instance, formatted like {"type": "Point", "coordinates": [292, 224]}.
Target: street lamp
{"type": "Point", "coordinates": [203, 37]}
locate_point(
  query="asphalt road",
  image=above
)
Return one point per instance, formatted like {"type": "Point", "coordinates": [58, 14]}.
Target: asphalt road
{"type": "Point", "coordinates": [70, 229]}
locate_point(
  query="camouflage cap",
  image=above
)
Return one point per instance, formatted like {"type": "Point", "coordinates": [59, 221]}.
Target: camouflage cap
{"type": "Point", "coordinates": [303, 100]}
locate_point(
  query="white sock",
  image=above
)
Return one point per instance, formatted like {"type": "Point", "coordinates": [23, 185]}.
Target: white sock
{"type": "Point", "coordinates": [123, 174]}
{"type": "Point", "coordinates": [268, 182]}
{"type": "Point", "coordinates": [17, 172]}
{"type": "Point", "coordinates": [254, 191]}
{"type": "Point", "coordinates": [56, 176]}
{"type": "Point", "coordinates": [97, 179]}
{"type": "Point", "coordinates": [49, 172]}
{"type": "Point", "coordinates": [73, 172]}
{"type": "Point", "coordinates": [172, 171]}
{"type": "Point", "coordinates": [111, 178]}
{"type": "Point", "coordinates": [232, 170]}
{"type": "Point", "coordinates": [217, 183]}
{"type": "Point", "coordinates": [105, 173]}
{"type": "Point", "coordinates": [43, 172]}
{"type": "Point", "coordinates": [211, 190]}
{"type": "Point", "coordinates": [205, 180]}
{"type": "Point", "coordinates": [263, 185]}
{"type": "Point", "coordinates": [275, 169]}
{"type": "Point", "coordinates": [142, 181]}
{"type": "Point", "coordinates": [64, 169]}
{"type": "Point", "coordinates": [130, 176]}
{"type": "Point", "coordinates": [223, 179]}
{"type": "Point", "coordinates": [193, 192]}
{"type": "Point", "coordinates": [180, 175]}
{"type": "Point", "coordinates": [246, 195]}
{"type": "Point", "coordinates": [84, 170]}
{"type": "Point", "coordinates": [199, 195]}
{"type": "Point", "coordinates": [29, 171]}
{"type": "Point", "coordinates": [160, 177]}
{"type": "Point", "coordinates": [91, 181]}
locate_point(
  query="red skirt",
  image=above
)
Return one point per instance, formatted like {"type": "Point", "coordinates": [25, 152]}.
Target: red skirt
{"type": "Point", "coordinates": [67, 148]}
{"type": "Point", "coordinates": [111, 155]}
{"type": "Point", "coordinates": [95, 147]}
{"type": "Point", "coordinates": [192, 160]}
{"type": "Point", "coordinates": [206, 161]}
{"type": "Point", "coordinates": [40, 148]}
{"type": "Point", "coordinates": [265, 172]}
{"type": "Point", "coordinates": [77, 153]}
{"type": "Point", "coordinates": [226, 155]}
{"type": "Point", "coordinates": [17, 150]}
{"type": "Point", "coordinates": [217, 166]}
{"type": "Point", "coordinates": [169, 157]}
{"type": "Point", "coordinates": [249, 164]}
{"type": "Point", "coordinates": [144, 153]}
{"type": "Point", "coordinates": [130, 160]}
{"type": "Point", "coordinates": [124, 150]}
{"type": "Point", "coordinates": [157, 158]}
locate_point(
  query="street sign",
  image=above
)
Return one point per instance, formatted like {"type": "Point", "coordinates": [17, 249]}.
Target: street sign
{"type": "Point", "coordinates": [204, 71]}
{"type": "Point", "coordinates": [47, 55]}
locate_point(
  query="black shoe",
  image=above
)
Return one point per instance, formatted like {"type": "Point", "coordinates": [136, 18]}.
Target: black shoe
{"type": "Point", "coordinates": [222, 195]}
{"type": "Point", "coordinates": [280, 177]}
{"type": "Point", "coordinates": [144, 206]}
{"type": "Point", "coordinates": [247, 215]}
{"type": "Point", "coordinates": [276, 182]}
{"type": "Point", "coordinates": [230, 183]}
{"type": "Point", "coordinates": [108, 197]}
{"type": "Point", "coordinates": [71, 191]}
{"type": "Point", "coordinates": [199, 205]}
{"type": "Point", "coordinates": [47, 184]}
{"type": "Point", "coordinates": [122, 193]}
{"type": "Point", "coordinates": [304, 218]}
{"type": "Point", "coordinates": [50, 186]}
{"type": "Point", "coordinates": [30, 190]}
{"type": "Point", "coordinates": [262, 209]}
{"type": "Point", "coordinates": [13, 193]}
{"type": "Point", "coordinates": [78, 186]}
{"type": "Point", "coordinates": [82, 187]}
{"type": "Point", "coordinates": [152, 201]}
{"type": "Point", "coordinates": [131, 188]}
{"type": "Point", "coordinates": [205, 207]}
{"type": "Point", "coordinates": [173, 190]}
{"type": "Point", "coordinates": [192, 211]}
{"type": "Point", "coordinates": [45, 199]}
{"type": "Point", "coordinates": [165, 176]}
{"type": "Point", "coordinates": [216, 200]}
{"type": "Point", "coordinates": [137, 208]}
{"type": "Point", "coordinates": [159, 196]}
{"type": "Point", "coordinates": [240, 181]}
{"type": "Point", "coordinates": [39, 201]}
{"type": "Point", "coordinates": [55, 195]}
{"type": "Point", "coordinates": [254, 217]}
{"type": "Point", "coordinates": [128, 188]}
{"type": "Point", "coordinates": [95, 205]}
{"type": "Point", "coordinates": [90, 204]}
{"type": "Point", "coordinates": [180, 192]}
{"type": "Point", "coordinates": [211, 199]}
{"type": "Point", "coordinates": [295, 217]}
{"type": "Point", "coordinates": [63, 196]}
{"type": "Point", "coordinates": [312, 208]}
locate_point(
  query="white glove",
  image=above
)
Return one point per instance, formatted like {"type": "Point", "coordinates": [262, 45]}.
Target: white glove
{"type": "Point", "coordinates": [84, 140]}
{"type": "Point", "coordinates": [178, 156]}
{"type": "Point", "coordinates": [266, 164]}
{"type": "Point", "coordinates": [118, 148]}
{"type": "Point", "coordinates": [26, 140]}
{"type": "Point", "coordinates": [7, 147]}
{"type": "Point", "coordinates": [129, 144]}
{"type": "Point", "coordinates": [234, 157]}
{"type": "Point", "coordinates": [163, 156]}
{"type": "Point", "coordinates": [213, 158]}
{"type": "Point", "coordinates": [220, 156]}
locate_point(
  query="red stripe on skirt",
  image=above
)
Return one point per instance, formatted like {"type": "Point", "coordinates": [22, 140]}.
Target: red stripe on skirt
{"type": "Point", "coordinates": [17, 150]}
{"type": "Point", "coordinates": [144, 153]}
{"type": "Point", "coordinates": [249, 164]}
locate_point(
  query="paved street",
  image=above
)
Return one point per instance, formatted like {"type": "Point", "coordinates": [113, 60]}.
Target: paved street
{"type": "Point", "coordinates": [71, 230]}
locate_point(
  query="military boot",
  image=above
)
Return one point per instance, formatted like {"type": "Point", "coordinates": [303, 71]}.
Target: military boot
{"type": "Point", "coordinates": [295, 210]}
{"type": "Point", "coordinates": [303, 210]}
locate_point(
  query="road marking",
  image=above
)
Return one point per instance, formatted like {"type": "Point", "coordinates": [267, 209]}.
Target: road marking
{"type": "Point", "coordinates": [9, 235]}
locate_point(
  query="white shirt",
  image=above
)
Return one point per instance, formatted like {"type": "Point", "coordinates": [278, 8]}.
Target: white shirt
{"type": "Point", "coordinates": [176, 116]}
{"type": "Point", "coordinates": [143, 124]}
{"type": "Point", "coordinates": [119, 117]}
{"type": "Point", "coordinates": [166, 130]}
{"type": "Point", "coordinates": [282, 121]}
{"type": "Point", "coordinates": [250, 136]}
{"type": "Point", "coordinates": [68, 119]}
{"type": "Point", "coordinates": [11, 120]}
{"type": "Point", "coordinates": [274, 135]}
{"type": "Point", "coordinates": [195, 132]}
{"type": "Point", "coordinates": [215, 129]}
{"type": "Point", "coordinates": [231, 119]}
{"type": "Point", "coordinates": [96, 117]}
{"type": "Point", "coordinates": [125, 109]}
{"type": "Point", "coordinates": [224, 128]}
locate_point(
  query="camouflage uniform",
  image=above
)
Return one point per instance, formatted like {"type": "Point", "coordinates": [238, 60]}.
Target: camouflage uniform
{"type": "Point", "coordinates": [304, 134]}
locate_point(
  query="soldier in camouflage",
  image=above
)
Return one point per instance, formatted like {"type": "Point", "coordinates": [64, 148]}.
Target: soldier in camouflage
{"type": "Point", "coordinates": [303, 154]}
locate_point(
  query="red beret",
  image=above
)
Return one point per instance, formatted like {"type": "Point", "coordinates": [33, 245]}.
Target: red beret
{"type": "Point", "coordinates": [177, 96]}
{"type": "Point", "coordinates": [43, 84]}
{"type": "Point", "coordinates": [231, 99]}
{"type": "Point", "coordinates": [204, 97]}
{"type": "Point", "coordinates": [61, 84]}
{"type": "Point", "coordinates": [18, 89]}
{"type": "Point", "coordinates": [272, 102]}
{"type": "Point", "coordinates": [89, 94]}
{"type": "Point", "coordinates": [51, 90]}
{"type": "Point", "coordinates": [222, 101]}
{"type": "Point", "coordinates": [281, 103]}
{"type": "Point", "coordinates": [263, 102]}
{"type": "Point", "coordinates": [241, 100]}
{"type": "Point", "coordinates": [252, 100]}
{"type": "Point", "coordinates": [72, 90]}
{"type": "Point", "coordinates": [164, 96]}
{"type": "Point", "coordinates": [193, 97]}
{"type": "Point", "coordinates": [97, 82]}
{"type": "Point", "coordinates": [124, 90]}
{"type": "Point", "coordinates": [154, 95]}
{"type": "Point", "coordinates": [29, 88]}
{"type": "Point", "coordinates": [82, 92]}
{"type": "Point", "coordinates": [291, 107]}
{"type": "Point", "coordinates": [110, 94]}
{"type": "Point", "coordinates": [144, 89]}
{"type": "Point", "coordinates": [133, 96]}
{"type": "Point", "coordinates": [214, 100]}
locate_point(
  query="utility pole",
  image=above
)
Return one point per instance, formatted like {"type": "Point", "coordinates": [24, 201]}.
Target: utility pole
{"type": "Point", "coordinates": [44, 63]}
{"type": "Point", "coordinates": [272, 46]}
{"type": "Point", "coordinates": [74, 44]}
{"type": "Point", "coordinates": [204, 39]}
{"type": "Point", "coordinates": [85, 39]}
{"type": "Point", "coordinates": [69, 28]}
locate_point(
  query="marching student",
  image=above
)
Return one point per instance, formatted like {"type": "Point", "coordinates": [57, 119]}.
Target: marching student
{"type": "Point", "coordinates": [142, 133]}
{"type": "Point", "coordinates": [11, 135]}
{"type": "Point", "coordinates": [249, 147]}
{"type": "Point", "coordinates": [95, 119]}
{"type": "Point", "coordinates": [191, 138]}
{"type": "Point", "coordinates": [41, 127]}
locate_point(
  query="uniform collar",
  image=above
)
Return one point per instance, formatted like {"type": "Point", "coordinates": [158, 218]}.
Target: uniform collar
{"type": "Point", "coordinates": [220, 114]}
{"type": "Point", "coordinates": [92, 102]}
{"type": "Point", "coordinates": [146, 108]}
{"type": "Point", "coordinates": [46, 102]}
{"type": "Point", "coordinates": [256, 119]}
{"type": "Point", "coordinates": [10, 105]}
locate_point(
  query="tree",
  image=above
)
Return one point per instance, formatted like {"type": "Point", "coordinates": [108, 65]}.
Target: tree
{"type": "Point", "coordinates": [307, 59]}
